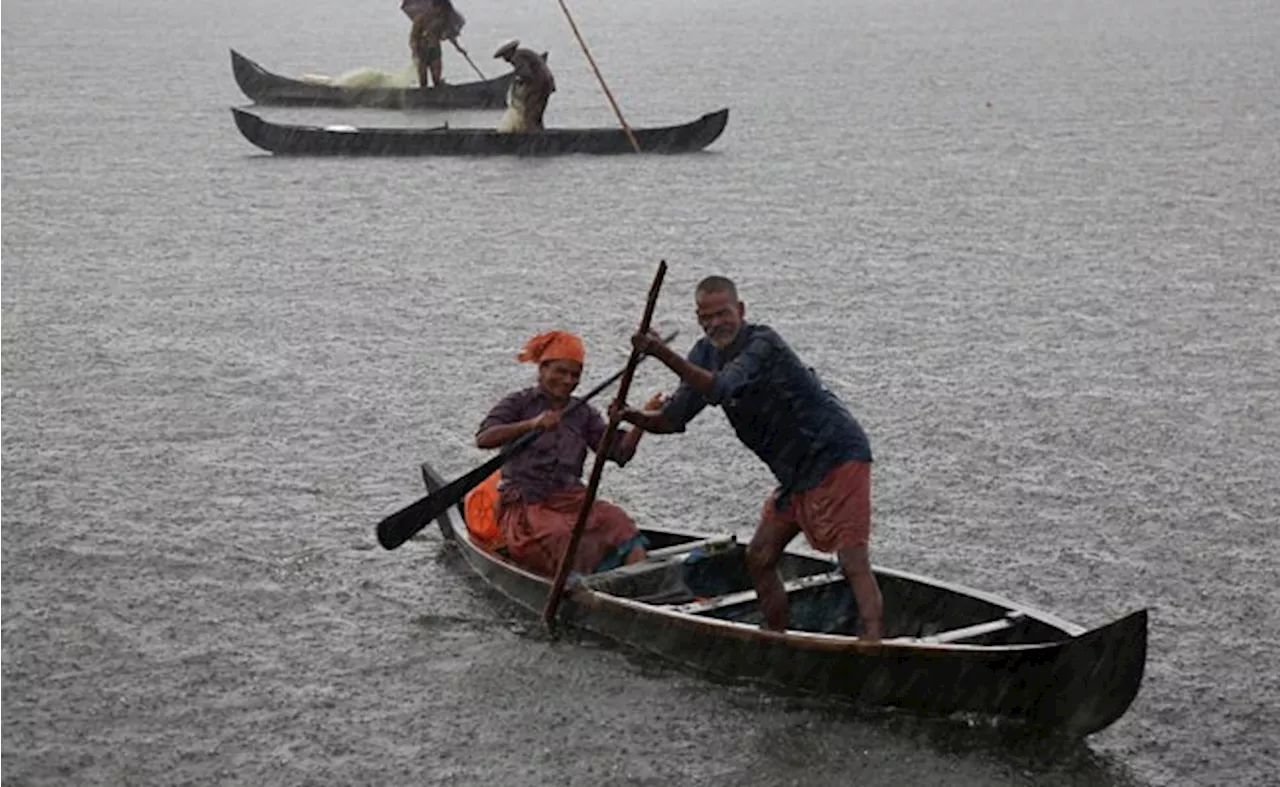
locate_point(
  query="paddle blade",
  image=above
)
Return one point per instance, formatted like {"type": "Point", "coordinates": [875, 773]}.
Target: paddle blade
{"type": "Point", "coordinates": [405, 523]}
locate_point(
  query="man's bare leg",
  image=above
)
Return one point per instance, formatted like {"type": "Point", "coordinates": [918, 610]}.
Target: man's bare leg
{"type": "Point", "coordinates": [764, 551]}
{"type": "Point", "coordinates": [856, 563]}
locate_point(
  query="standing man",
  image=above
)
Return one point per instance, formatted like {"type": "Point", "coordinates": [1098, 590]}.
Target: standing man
{"type": "Point", "coordinates": [434, 21]}
{"type": "Point", "coordinates": [781, 411]}
{"type": "Point", "coordinates": [530, 90]}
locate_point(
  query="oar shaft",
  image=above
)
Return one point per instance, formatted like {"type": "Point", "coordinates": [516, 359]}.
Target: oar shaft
{"type": "Point", "coordinates": [597, 469]}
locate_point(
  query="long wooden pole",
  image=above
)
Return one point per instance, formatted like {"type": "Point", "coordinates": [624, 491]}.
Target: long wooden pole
{"type": "Point", "coordinates": [635, 145]}
{"type": "Point", "coordinates": [606, 446]}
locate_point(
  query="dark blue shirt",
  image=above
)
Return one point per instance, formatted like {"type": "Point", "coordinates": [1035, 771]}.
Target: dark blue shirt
{"type": "Point", "coordinates": [777, 405]}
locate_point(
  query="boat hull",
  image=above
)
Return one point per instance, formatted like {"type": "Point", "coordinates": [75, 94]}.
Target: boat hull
{"type": "Point", "coordinates": [268, 89]}
{"type": "Point", "coordinates": [297, 140]}
{"type": "Point", "coordinates": [1069, 682]}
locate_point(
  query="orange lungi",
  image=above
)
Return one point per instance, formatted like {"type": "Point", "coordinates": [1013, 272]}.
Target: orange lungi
{"type": "Point", "coordinates": [537, 534]}
{"type": "Point", "coordinates": [834, 514]}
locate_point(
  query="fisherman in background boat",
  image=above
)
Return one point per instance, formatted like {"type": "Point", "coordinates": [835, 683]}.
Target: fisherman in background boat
{"type": "Point", "coordinates": [434, 21]}
{"type": "Point", "coordinates": [530, 90]}
{"type": "Point", "coordinates": [541, 492]}
{"type": "Point", "coordinates": [780, 409]}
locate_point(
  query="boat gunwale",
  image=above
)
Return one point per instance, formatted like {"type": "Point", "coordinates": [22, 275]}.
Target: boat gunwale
{"type": "Point", "coordinates": [808, 640]}
{"type": "Point", "coordinates": [411, 132]}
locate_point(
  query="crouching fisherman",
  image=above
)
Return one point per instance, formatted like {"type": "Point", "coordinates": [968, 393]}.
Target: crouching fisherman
{"type": "Point", "coordinates": [541, 491]}
{"type": "Point", "coordinates": [530, 90]}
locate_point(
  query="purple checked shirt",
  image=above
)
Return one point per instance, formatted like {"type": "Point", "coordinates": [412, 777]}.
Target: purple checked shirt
{"type": "Point", "coordinates": [555, 460]}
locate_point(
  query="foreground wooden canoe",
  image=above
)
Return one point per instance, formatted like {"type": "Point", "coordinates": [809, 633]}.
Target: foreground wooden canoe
{"type": "Point", "coordinates": [264, 87]}
{"type": "Point", "coordinates": [341, 140]}
{"type": "Point", "coordinates": [948, 650]}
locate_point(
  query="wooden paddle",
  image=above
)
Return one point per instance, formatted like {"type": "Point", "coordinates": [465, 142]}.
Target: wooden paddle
{"type": "Point", "coordinates": [403, 524]}
{"type": "Point", "coordinates": [606, 446]}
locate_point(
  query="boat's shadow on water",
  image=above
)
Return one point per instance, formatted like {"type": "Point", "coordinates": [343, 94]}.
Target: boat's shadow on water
{"type": "Point", "coordinates": [1040, 758]}
{"type": "Point", "coordinates": [1027, 756]}
{"type": "Point", "coordinates": [1036, 758]}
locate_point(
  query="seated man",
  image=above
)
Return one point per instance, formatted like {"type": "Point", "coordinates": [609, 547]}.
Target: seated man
{"type": "Point", "coordinates": [541, 490]}
{"type": "Point", "coordinates": [530, 90]}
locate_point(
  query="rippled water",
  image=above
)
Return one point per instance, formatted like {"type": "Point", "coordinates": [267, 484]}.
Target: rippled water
{"type": "Point", "coordinates": [1033, 244]}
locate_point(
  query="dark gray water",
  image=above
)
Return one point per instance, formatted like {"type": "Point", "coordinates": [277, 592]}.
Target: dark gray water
{"type": "Point", "coordinates": [1033, 244]}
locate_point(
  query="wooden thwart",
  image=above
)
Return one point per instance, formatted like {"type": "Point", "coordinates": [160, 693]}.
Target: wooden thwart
{"type": "Point", "coordinates": [976, 630]}
{"type": "Point", "coordinates": [742, 597]}
{"type": "Point", "coordinates": [830, 578]}
{"type": "Point", "coordinates": [660, 560]}
{"type": "Point", "coordinates": [709, 544]}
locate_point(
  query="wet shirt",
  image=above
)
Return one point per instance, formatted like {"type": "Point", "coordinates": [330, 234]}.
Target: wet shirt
{"type": "Point", "coordinates": [778, 407]}
{"type": "Point", "coordinates": [434, 24]}
{"type": "Point", "coordinates": [532, 75]}
{"type": "Point", "coordinates": [555, 460]}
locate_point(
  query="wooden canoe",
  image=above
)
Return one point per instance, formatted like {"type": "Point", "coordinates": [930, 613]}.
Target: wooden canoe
{"type": "Point", "coordinates": [341, 140]}
{"type": "Point", "coordinates": [949, 650]}
{"type": "Point", "coordinates": [264, 87]}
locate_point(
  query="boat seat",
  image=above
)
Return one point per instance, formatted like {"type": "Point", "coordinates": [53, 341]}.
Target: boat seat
{"type": "Point", "coordinates": [711, 544]}
{"type": "Point", "coordinates": [660, 560]}
{"type": "Point", "coordinates": [742, 597]}
{"type": "Point", "coordinates": [974, 631]}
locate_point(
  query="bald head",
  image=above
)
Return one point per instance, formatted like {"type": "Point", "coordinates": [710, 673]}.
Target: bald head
{"type": "Point", "coordinates": [720, 313]}
{"type": "Point", "coordinates": [716, 284]}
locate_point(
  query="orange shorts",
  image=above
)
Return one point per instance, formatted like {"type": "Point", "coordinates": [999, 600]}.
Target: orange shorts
{"type": "Point", "coordinates": [834, 514]}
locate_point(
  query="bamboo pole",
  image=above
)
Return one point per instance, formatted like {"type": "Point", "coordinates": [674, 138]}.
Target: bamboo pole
{"type": "Point", "coordinates": [635, 145]}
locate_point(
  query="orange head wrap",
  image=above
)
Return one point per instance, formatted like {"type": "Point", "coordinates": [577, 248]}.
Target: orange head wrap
{"type": "Point", "coordinates": [553, 346]}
